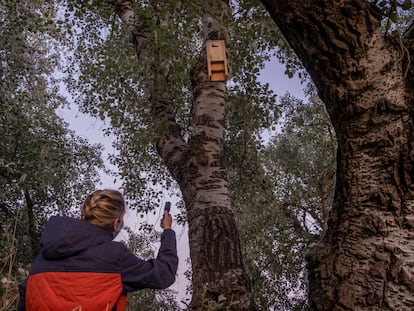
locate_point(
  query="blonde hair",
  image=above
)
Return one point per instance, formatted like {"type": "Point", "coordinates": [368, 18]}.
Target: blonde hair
{"type": "Point", "coordinates": [102, 207]}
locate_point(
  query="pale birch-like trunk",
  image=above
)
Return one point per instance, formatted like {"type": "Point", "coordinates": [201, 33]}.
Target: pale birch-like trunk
{"type": "Point", "coordinates": [218, 273]}
{"type": "Point", "coordinates": [218, 270]}
{"type": "Point", "coordinates": [366, 259]}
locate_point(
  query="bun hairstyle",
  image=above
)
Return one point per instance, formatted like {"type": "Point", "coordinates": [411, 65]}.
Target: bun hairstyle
{"type": "Point", "coordinates": [102, 207]}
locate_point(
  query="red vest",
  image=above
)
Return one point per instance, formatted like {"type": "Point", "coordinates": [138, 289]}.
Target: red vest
{"type": "Point", "coordinates": [61, 291]}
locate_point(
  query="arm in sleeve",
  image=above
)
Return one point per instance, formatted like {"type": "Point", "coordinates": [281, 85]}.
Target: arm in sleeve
{"type": "Point", "coordinates": [22, 300]}
{"type": "Point", "coordinates": [156, 273]}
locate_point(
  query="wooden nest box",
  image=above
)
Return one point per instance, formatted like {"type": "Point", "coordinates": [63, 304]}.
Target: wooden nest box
{"type": "Point", "coordinates": [216, 60]}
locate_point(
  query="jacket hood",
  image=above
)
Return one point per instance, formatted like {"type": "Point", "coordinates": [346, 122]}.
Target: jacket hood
{"type": "Point", "coordinates": [65, 236]}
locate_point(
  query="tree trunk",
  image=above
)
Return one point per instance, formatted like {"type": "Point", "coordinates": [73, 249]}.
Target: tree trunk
{"type": "Point", "coordinates": [34, 237]}
{"type": "Point", "coordinates": [219, 279]}
{"type": "Point", "coordinates": [366, 259]}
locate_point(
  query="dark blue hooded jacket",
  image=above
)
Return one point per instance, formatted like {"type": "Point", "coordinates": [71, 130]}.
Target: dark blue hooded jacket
{"type": "Point", "coordinates": [80, 268]}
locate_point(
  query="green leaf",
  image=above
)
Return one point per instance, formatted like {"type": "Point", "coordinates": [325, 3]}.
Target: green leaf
{"type": "Point", "coordinates": [407, 4]}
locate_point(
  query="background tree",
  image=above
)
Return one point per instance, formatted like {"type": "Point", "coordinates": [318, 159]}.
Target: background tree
{"type": "Point", "coordinates": [365, 79]}
{"type": "Point", "coordinates": [281, 185]}
{"type": "Point", "coordinates": [302, 161]}
{"type": "Point", "coordinates": [44, 167]}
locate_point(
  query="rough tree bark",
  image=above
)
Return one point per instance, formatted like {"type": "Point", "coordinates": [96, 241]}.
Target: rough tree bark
{"type": "Point", "coordinates": [218, 273]}
{"type": "Point", "coordinates": [366, 259]}
{"type": "Point", "coordinates": [324, 189]}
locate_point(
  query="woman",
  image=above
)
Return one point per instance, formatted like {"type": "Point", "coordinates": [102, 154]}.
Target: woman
{"type": "Point", "coordinates": [80, 268]}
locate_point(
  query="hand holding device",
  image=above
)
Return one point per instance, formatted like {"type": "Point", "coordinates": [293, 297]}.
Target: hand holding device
{"type": "Point", "coordinates": [166, 220]}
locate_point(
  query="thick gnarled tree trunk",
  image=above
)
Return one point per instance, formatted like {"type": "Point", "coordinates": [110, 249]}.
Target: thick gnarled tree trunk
{"type": "Point", "coordinates": [366, 258]}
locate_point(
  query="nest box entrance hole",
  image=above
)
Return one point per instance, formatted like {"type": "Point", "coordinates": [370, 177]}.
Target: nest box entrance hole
{"type": "Point", "coordinates": [216, 60]}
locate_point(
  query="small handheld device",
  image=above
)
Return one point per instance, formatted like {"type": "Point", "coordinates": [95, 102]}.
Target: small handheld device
{"type": "Point", "coordinates": [167, 208]}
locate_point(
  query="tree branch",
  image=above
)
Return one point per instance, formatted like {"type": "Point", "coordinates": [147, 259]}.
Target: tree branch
{"type": "Point", "coordinates": [170, 144]}
{"type": "Point", "coordinates": [409, 33]}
